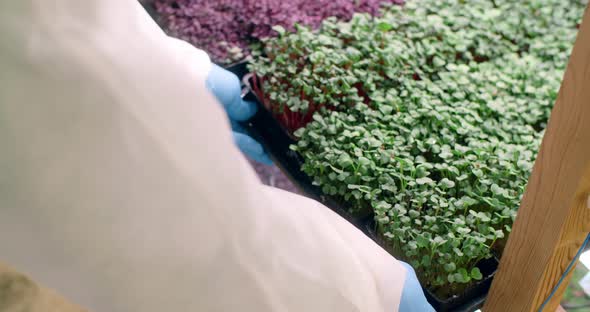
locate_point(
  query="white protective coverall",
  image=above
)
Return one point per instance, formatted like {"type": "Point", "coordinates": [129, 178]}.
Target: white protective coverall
{"type": "Point", "coordinates": [120, 186]}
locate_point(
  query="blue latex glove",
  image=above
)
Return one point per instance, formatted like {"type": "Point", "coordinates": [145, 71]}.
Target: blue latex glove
{"type": "Point", "coordinates": [226, 88]}
{"type": "Point", "coordinates": [413, 299]}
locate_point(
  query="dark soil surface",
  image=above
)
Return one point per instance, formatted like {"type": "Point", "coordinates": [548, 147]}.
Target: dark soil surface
{"type": "Point", "coordinates": [273, 176]}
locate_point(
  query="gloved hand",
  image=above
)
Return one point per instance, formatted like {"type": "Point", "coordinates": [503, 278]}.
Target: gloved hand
{"type": "Point", "coordinates": [413, 299]}
{"type": "Point", "coordinates": [226, 88]}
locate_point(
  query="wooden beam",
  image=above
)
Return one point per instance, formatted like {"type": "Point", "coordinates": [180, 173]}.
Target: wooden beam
{"type": "Point", "coordinates": [553, 219]}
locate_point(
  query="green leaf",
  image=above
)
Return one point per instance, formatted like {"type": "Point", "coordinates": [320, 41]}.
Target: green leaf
{"type": "Point", "coordinates": [446, 183]}
{"type": "Point", "coordinates": [478, 173]}
{"type": "Point", "coordinates": [438, 62]}
{"type": "Point", "coordinates": [344, 161]}
{"type": "Point", "coordinates": [450, 267]}
{"type": "Point", "coordinates": [439, 240]}
{"type": "Point", "coordinates": [383, 26]}
{"type": "Point", "coordinates": [425, 180]}
{"type": "Point", "coordinates": [445, 154]}
{"type": "Point", "coordinates": [465, 277]}
{"type": "Point", "coordinates": [363, 161]}
{"type": "Point", "coordinates": [279, 29]}
{"type": "Point", "coordinates": [463, 230]}
{"type": "Point", "coordinates": [476, 274]}
{"type": "Point", "coordinates": [422, 241]}
{"type": "Point", "coordinates": [483, 216]}
{"type": "Point", "coordinates": [451, 278]}
{"type": "Point", "coordinates": [382, 205]}
{"type": "Point", "coordinates": [299, 133]}
{"type": "Point", "coordinates": [497, 189]}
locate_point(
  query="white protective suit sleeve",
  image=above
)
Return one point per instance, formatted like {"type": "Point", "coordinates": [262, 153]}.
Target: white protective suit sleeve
{"type": "Point", "coordinates": [121, 188]}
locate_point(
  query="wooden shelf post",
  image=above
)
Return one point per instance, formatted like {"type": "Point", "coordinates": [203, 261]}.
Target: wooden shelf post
{"type": "Point", "coordinates": [554, 217]}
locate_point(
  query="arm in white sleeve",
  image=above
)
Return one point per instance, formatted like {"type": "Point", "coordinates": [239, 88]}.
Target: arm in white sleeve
{"type": "Point", "coordinates": [121, 187]}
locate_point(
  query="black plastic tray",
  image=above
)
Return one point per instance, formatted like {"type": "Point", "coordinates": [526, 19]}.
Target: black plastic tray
{"type": "Point", "coordinates": [240, 69]}
{"type": "Point", "coordinates": [275, 139]}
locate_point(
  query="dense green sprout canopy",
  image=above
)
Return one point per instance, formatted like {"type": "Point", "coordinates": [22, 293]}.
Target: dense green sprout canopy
{"type": "Point", "coordinates": [430, 116]}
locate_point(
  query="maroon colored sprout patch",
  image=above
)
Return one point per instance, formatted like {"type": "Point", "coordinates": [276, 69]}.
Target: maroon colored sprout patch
{"type": "Point", "coordinates": [225, 28]}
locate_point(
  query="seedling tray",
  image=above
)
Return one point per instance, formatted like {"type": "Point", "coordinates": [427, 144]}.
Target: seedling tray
{"type": "Point", "coordinates": [470, 300]}
{"type": "Point", "coordinates": [276, 140]}
{"type": "Point", "coordinates": [240, 68]}
{"type": "Point", "coordinates": [265, 129]}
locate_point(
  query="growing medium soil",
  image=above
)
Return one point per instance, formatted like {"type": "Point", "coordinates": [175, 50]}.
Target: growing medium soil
{"type": "Point", "coordinates": [273, 176]}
